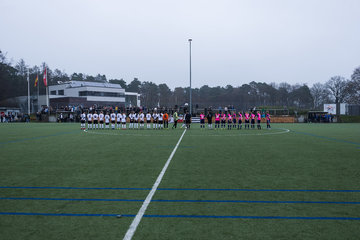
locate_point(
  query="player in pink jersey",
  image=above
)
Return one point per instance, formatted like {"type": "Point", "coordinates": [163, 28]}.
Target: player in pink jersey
{"type": "Point", "coordinates": [223, 120]}
{"type": "Point", "coordinates": [258, 120]}
{"type": "Point", "coordinates": [252, 117]}
{"type": "Point", "coordinates": [229, 121]}
{"type": "Point", "coordinates": [240, 121]}
{"type": "Point", "coordinates": [217, 120]}
{"type": "Point", "coordinates": [268, 118]}
{"type": "Point", "coordinates": [247, 120]}
{"type": "Point", "coordinates": [202, 120]}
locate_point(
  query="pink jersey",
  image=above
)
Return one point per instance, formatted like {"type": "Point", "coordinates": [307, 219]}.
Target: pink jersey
{"type": "Point", "coordinates": [234, 116]}
{"type": "Point", "coordinates": [223, 117]}
{"type": "Point", "coordinates": [240, 116]}
{"type": "Point", "coordinates": [217, 117]}
{"type": "Point", "coordinates": [202, 116]}
{"type": "Point", "coordinates": [267, 116]}
{"type": "Point", "coordinates": [247, 116]}
{"type": "Point", "coordinates": [229, 117]}
{"type": "Point", "coordinates": [258, 116]}
{"type": "Point", "coordinates": [252, 116]}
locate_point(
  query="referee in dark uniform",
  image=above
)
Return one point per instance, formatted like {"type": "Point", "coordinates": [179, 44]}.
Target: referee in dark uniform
{"type": "Point", "coordinates": [187, 120]}
{"type": "Point", "coordinates": [209, 117]}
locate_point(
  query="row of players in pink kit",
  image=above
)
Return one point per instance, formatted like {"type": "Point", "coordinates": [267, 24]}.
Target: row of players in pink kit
{"type": "Point", "coordinates": [234, 120]}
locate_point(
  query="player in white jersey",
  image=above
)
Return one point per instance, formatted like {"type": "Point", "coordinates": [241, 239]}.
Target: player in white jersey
{"type": "Point", "coordinates": [107, 120]}
{"type": "Point", "coordinates": [148, 120]}
{"type": "Point", "coordinates": [101, 120]}
{"type": "Point", "coordinates": [112, 118]}
{"type": "Point", "coordinates": [118, 120]}
{"type": "Point", "coordinates": [155, 120]}
{"type": "Point", "coordinates": [136, 120]}
{"type": "Point", "coordinates": [131, 116]}
{"type": "Point", "coordinates": [82, 120]}
{"type": "Point", "coordinates": [123, 121]}
{"type": "Point", "coordinates": [96, 119]}
{"type": "Point", "coordinates": [161, 120]}
{"type": "Point", "coordinates": [141, 117]}
{"type": "Point", "coordinates": [89, 119]}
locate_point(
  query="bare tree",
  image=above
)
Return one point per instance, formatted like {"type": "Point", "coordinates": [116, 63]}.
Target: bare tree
{"type": "Point", "coordinates": [354, 87]}
{"type": "Point", "coordinates": [356, 75]}
{"type": "Point", "coordinates": [320, 95]}
{"type": "Point", "coordinates": [2, 57]}
{"type": "Point", "coordinates": [21, 68]}
{"type": "Point", "coordinates": [337, 86]}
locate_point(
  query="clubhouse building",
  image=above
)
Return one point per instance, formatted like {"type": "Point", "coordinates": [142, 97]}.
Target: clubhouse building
{"type": "Point", "coordinates": [87, 94]}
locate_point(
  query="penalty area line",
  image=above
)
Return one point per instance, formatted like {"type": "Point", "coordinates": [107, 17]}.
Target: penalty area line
{"type": "Point", "coordinates": [130, 232]}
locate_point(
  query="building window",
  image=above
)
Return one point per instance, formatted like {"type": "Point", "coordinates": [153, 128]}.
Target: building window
{"type": "Point", "coordinates": [53, 92]}
{"type": "Point", "coordinates": [60, 92]}
{"type": "Point", "coordinates": [100, 94]}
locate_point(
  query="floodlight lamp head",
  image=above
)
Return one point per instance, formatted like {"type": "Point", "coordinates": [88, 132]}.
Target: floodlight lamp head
{"type": "Point", "coordinates": [190, 39]}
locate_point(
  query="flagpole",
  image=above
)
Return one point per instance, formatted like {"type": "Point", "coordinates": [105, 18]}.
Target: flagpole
{"type": "Point", "coordinates": [47, 91]}
{"type": "Point", "coordinates": [38, 85]}
{"type": "Point", "coordinates": [28, 80]}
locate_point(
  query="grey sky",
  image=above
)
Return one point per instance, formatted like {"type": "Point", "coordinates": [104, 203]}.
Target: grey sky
{"type": "Point", "coordinates": [234, 42]}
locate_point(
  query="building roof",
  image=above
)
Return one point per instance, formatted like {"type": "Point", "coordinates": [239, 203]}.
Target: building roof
{"type": "Point", "coordinates": [74, 84]}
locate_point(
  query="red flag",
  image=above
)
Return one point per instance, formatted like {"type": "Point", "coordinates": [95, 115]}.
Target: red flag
{"type": "Point", "coordinates": [45, 78]}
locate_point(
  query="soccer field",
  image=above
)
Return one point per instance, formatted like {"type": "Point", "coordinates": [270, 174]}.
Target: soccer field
{"type": "Point", "coordinates": [295, 181]}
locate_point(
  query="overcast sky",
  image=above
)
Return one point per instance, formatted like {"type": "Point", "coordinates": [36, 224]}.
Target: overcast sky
{"type": "Point", "coordinates": [234, 41]}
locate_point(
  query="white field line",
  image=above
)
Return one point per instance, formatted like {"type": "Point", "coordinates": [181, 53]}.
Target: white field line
{"type": "Point", "coordinates": [130, 232]}
{"type": "Point", "coordinates": [284, 130]}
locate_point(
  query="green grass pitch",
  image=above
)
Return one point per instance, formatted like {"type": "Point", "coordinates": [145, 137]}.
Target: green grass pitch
{"type": "Point", "coordinates": [295, 181]}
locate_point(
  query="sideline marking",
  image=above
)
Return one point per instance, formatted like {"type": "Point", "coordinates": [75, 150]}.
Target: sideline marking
{"type": "Point", "coordinates": [130, 232]}
{"type": "Point", "coordinates": [189, 189]}
{"type": "Point", "coordinates": [256, 190]}
{"type": "Point", "coordinates": [78, 188]}
{"type": "Point", "coordinates": [177, 216]}
{"type": "Point", "coordinates": [171, 200]}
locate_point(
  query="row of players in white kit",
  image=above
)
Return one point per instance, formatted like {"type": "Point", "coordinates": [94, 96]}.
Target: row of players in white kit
{"type": "Point", "coordinates": [96, 121]}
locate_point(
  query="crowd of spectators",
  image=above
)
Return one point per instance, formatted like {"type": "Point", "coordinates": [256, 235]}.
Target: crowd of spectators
{"type": "Point", "coordinates": [14, 117]}
{"type": "Point", "coordinates": [321, 118]}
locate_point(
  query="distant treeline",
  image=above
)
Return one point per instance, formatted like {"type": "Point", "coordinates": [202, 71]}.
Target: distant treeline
{"type": "Point", "coordinates": [337, 89]}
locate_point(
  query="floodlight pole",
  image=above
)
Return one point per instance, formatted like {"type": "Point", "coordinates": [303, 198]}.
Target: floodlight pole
{"type": "Point", "coordinates": [190, 77]}
{"type": "Point", "coordinates": [28, 81]}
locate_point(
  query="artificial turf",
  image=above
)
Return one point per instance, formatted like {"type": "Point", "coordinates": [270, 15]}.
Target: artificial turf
{"type": "Point", "coordinates": [295, 181]}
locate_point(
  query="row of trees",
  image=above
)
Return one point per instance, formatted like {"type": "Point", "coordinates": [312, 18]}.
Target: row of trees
{"type": "Point", "coordinates": [336, 90]}
{"type": "Point", "coordinates": [13, 78]}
